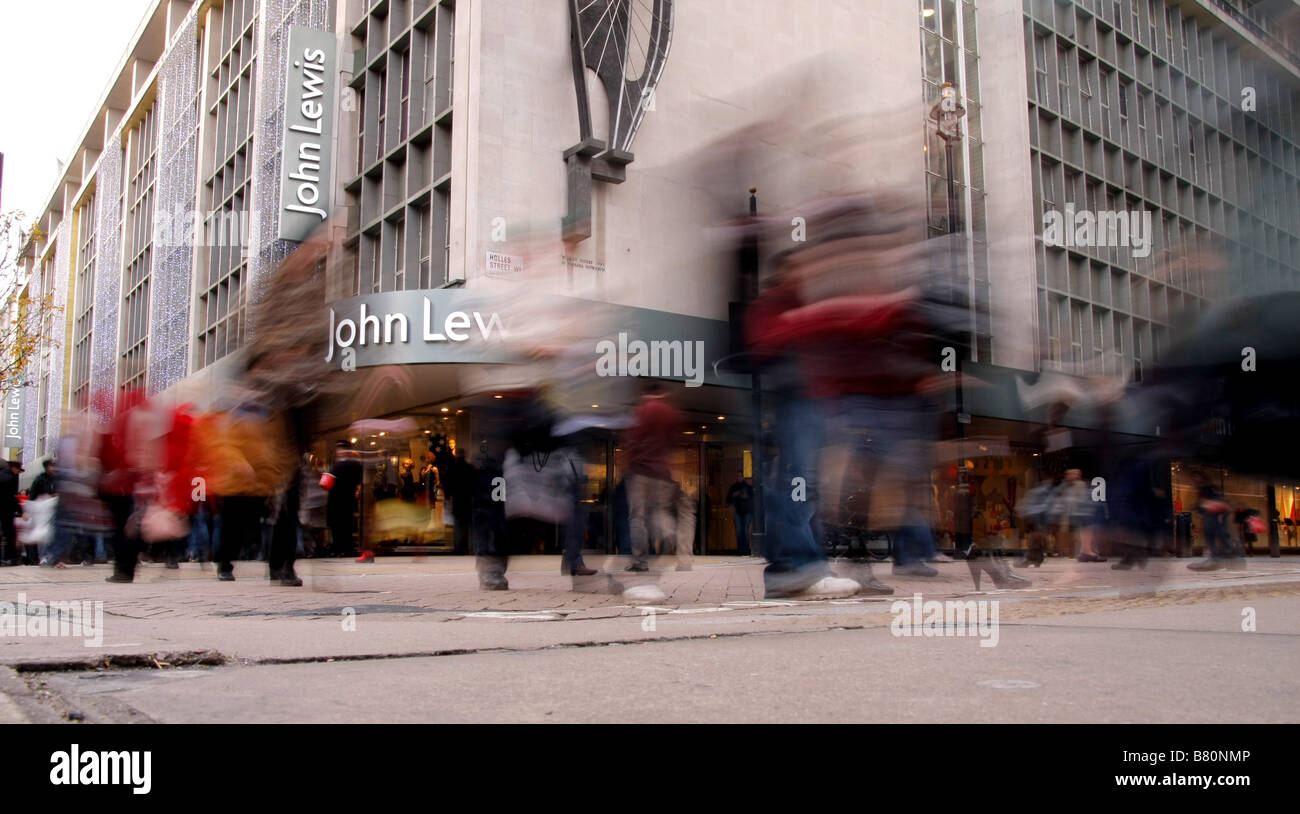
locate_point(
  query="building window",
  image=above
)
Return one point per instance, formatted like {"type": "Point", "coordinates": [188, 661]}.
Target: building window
{"type": "Point", "coordinates": [1177, 145]}
{"type": "Point", "coordinates": [1189, 32]}
{"type": "Point", "coordinates": [1123, 112]}
{"type": "Point", "coordinates": [426, 240]}
{"type": "Point", "coordinates": [1103, 98]}
{"type": "Point", "coordinates": [1040, 67]}
{"type": "Point", "coordinates": [1118, 328]}
{"type": "Point", "coordinates": [1160, 134]}
{"type": "Point", "coordinates": [1049, 191]}
{"type": "Point", "coordinates": [446, 238]}
{"type": "Point", "coordinates": [1085, 93]}
{"type": "Point", "coordinates": [1054, 328]}
{"type": "Point", "coordinates": [84, 307]}
{"type": "Point", "coordinates": [1063, 80]}
{"type": "Point", "coordinates": [1171, 22]}
{"type": "Point", "coordinates": [383, 114]}
{"type": "Point", "coordinates": [1142, 123]}
{"type": "Point", "coordinates": [140, 167]}
{"type": "Point", "coordinates": [405, 112]}
{"type": "Point", "coordinates": [399, 260]}
{"type": "Point", "coordinates": [1098, 344]}
{"type": "Point", "coordinates": [1076, 334]}
{"type": "Point", "coordinates": [1137, 354]}
{"type": "Point", "coordinates": [42, 413]}
{"type": "Point", "coordinates": [361, 132]}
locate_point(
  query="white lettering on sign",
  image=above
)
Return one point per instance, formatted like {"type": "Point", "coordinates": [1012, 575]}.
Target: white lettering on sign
{"type": "Point", "coordinates": [305, 154]}
{"type": "Point", "coordinates": [14, 419]}
{"type": "Point", "coordinates": [504, 265]}
{"type": "Point", "coordinates": [392, 328]}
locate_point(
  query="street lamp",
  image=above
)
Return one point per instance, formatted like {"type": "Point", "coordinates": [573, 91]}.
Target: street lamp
{"type": "Point", "coordinates": [947, 114]}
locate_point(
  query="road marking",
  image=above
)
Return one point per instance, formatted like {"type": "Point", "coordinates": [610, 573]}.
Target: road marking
{"type": "Point", "coordinates": [1008, 684]}
{"type": "Point", "coordinates": [518, 616]}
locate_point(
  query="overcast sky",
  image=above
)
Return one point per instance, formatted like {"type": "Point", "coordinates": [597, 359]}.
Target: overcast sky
{"type": "Point", "coordinates": [56, 57]}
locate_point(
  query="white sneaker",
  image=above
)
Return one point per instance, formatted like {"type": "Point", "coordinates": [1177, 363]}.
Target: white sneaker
{"type": "Point", "coordinates": [829, 588]}
{"type": "Point", "coordinates": [644, 593]}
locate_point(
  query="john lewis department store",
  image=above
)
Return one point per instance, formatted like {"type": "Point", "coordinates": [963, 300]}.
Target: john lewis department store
{"type": "Point", "coordinates": [432, 133]}
{"type": "Point", "coordinates": [479, 149]}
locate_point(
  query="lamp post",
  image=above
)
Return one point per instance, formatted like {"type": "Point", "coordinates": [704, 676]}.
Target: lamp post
{"type": "Point", "coordinates": [758, 534]}
{"type": "Point", "coordinates": [947, 114]}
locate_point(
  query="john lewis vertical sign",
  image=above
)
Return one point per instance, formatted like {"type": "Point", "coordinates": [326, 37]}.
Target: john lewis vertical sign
{"type": "Point", "coordinates": [13, 419]}
{"type": "Point", "coordinates": [311, 78]}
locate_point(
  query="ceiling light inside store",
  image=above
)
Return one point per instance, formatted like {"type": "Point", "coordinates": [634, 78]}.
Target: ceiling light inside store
{"type": "Point", "coordinates": [927, 12]}
{"type": "Point", "coordinates": [444, 409]}
{"type": "Point", "coordinates": [352, 440]}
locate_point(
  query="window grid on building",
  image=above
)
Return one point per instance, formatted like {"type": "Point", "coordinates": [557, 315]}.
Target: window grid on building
{"type": "Point", "coordinates": [83, 314]}
{"type": "Point", "coordinates": [223, 267]}
{"type": "Point", "coordinates": [42, 415]}
{"type": "Point", "coordinates": [1212, 176]}
{"type": "Point", "coordinates": [43, 391]}
{"type": "Point", "coordinates": [140, 166]}
{"type": "Point", "coordinates": [399, 199]}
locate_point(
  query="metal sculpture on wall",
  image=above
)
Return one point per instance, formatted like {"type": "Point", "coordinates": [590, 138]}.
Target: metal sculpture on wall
{"type": "Point", "coordinates": [625, 42]}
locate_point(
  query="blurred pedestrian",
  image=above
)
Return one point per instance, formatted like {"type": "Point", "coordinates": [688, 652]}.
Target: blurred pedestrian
{"type": "Point", "coordinates": [344, 485]}
{"type": "Point", "coordinates": [119, 475]}
{"type": "Point", "coordinates": [1035, 510]}
{"type": "Point", "coordinates": [8, 511]}
{"type": "Point", "coordinates": [655, 433]}
{"type": "Point", "coordinates": [44, 483]}
{"type": "Point", "coordinates": [1222, 549]}
{"type": "Point", "coordinates": [740, 497]}
{"type": "Point", "coordinates": [1077, 513]}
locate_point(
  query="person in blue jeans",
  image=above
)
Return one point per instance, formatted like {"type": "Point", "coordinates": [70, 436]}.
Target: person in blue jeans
{"type": "Point", "coordinates": [1221, 548]}
{"type": "Point", "coordinates": [740, 497]}
{"type": "Point", "coordinates": [200, 542]}
{"type": "Point", "coordinates": [890, 435]}
{"type": "Point", "coordinates": [796, 557]}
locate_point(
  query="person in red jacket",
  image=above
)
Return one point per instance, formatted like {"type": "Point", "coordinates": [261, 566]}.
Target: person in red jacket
{"type": "Point", "coordinates": [651, 493]}
{"type": "Point", "coordinates": [118, 478]}
{"type": "Point", "coordinates": [176, 479]}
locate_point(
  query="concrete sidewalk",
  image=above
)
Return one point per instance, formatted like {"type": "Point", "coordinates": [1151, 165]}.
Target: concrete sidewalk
{"type": "Point", "coordinates": [429, 606]}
